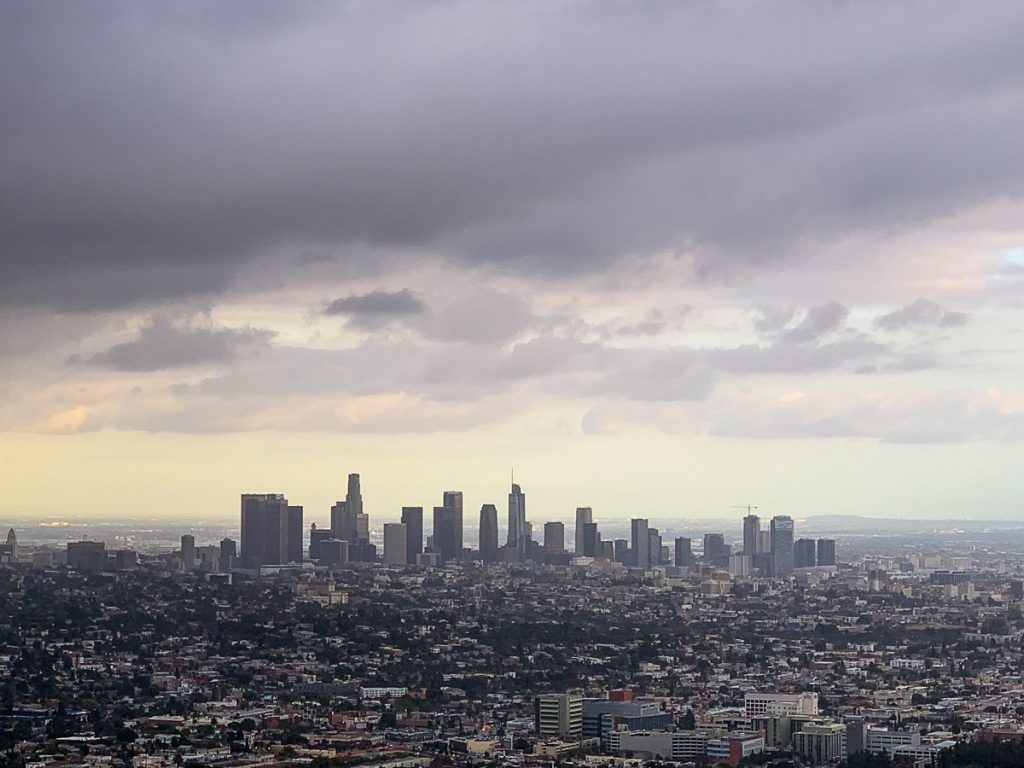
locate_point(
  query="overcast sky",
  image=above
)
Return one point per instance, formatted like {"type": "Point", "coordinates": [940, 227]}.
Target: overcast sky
{"type": "Point", "coordinates": [661, 257]}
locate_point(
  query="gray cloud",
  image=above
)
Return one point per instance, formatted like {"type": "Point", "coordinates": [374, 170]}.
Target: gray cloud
{"type": "Point", "coordinates": [161, 345]}
{"type": "Point", "coordinates": [155, 153]}
{"type": "Point", "coordinates": [922, 313]}
{"type": "Point", "coordinates": [377, 308]}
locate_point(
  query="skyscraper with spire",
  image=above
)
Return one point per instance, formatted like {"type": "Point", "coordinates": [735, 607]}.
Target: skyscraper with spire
{"type": "Point", "coordinates": [517, 531]}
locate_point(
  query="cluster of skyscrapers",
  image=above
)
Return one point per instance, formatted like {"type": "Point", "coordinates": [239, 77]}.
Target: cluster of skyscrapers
{"type": "Point", "coordinates": [272, 534]}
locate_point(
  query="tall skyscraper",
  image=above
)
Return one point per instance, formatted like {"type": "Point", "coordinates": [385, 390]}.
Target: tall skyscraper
{"type": "Point", "coordinates": [826, 552]}
{"type": "Point", "coordinates": [517, 518]}
{"type": "Point", "coordinates": [295, 531]}
{"type": "Point", "coordinates": [354, 496]}
{"type": "Point", "coordinates": [782, 545]}
{"type": "Point", "coordinates": [655, 547]}
{"type": "Point", "coordinates": [751, 535]}
{"type": "Point", "coordinates": [554, 537]}
{"type": "Point", "coordinates": [453, 500]}
{"type": "Point", "coordinates": [447, 533]}
{"type": "Point", "coordinates": [413, 519]}
{"type": "Point", "coordinates": [640, 542]}
{"type": "Point", "coordinates": [489, 533]}
{"type": "Point", "coordinates": [396, 544]}
{"type": "Point", "coordinates": [264, 529]}
{"type": "Point", "coordinates": [683, 553]}
{"type": "Point", "coordinates": [591, 540]}
{"type": "Point", "coordinates": [343, 524]}
{"type": "Point", "coordinates": [583, 515]}
{"type": "Point", "coordinates": [188, 551]}
{"type": "Point", "coordinates": [228, 555]}
{"type": "Point", "coordinates": [804, 553]}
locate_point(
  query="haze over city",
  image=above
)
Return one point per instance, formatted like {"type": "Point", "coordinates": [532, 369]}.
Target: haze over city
{"type": "Point", "coordinates": [662, 258]}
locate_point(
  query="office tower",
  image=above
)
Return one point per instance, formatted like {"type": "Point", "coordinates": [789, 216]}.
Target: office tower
{"type": "Point", "coordinates": [606, 550]}
{"type": "Point", "coordinates": [741, 565]}
{"type": "Point", "coordinates": [316, 537]}
{"type": "Point", "coordinates": [333, 553]}
{"type": "Point", "coordinates": [715, 551]}
{"type": "Point", "coordinates": [764, 542]}
{"type": "Point", "coordinates": [264, 529]}
{"type": "Point", "coordinates": [228, 555]}
{"type": "Point", "coordinates": [354, 496]}
{"type": "Point", "coordinates": [826, 552]}
{"type": "Point", "coordinates": [640, 542]}
{"type": "Point", "coordinates": [591, 540]}
{"type": "Point", "coordinates": [188, 551]}
{"type": "Point", "coordinates": [87, 555]}
{"type": "Point", "coordinates": [453, 500]}
{"type": "Point", "coordinates": [9, 549]}
{"type": "Point", "coordinates": [295, 528]}
{"type": "Point", "coordinates": [554, 537]}
{"type": "Point", "coordinates": [782, 545]}
{"type": "Point", "coordinates": [446, 533]}
{"type": "Point", "coordinates": [396, 544]}
{"type": "Point", "coordinates": [683, 553]}
{"type": "Point", "coordinates": [342, 525]}
{"type": "Point", "coordinates": [413, 519]}
{"type": "Point", "coordinates": [583, 515]}
{"type": "Point", "coordinates": [803, 553]}
{"type": "Point", "coordinates": [362, 527]}
{"type": "Point", "coordinates": [559, 714]}
{"type": "Point", "coordinates": [751, 535]}
{"type": "Point", "coordinates": [489, 533]}
{"type": "Point", "coordinates": [620, 548]}
{"type": "Point", "coordinates": [654, 549]}
{"type": "Point", "coordinates": [517, 519]}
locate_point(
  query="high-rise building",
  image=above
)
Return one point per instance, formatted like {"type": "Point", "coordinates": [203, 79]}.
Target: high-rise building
{"type": "Point", "coordinates": [560, 715]}
{"type": "Point", "coordinates": [453, 500]}
{"type": "Point", "coordinates": [591, 540]}
{"type": "Point", "coordinates": [826, 551]}
{"type": "Point", "coordinates": [354, 495]}
{"type": "Point", "coordinates": [489, 533]}
{"type": "Point", "coordinates": [363, 527]}
{"type": "Point", "coordinates": [228, 555]}
{"type": "Point", "coordinates": [316, 538]}
{"type": "Point", "coordinates": [9, 549]}
{"type": "Point", "coordinates": [333, 553]}
{"type": "Point", "coordinates": [751, 535]}
{"type": "Point", "coordinates": [782, 545]}
{"type": "Point", "coordinates": [714, 544]}
{"type": "Point", "coordinates": [396, 544]}
{"type": "Point", "coordinates": [654, 549]}
{"type": "Point", "coordinates": [683, 553]}
{"type": "Point", "coordinates": [446, 534]}
{"type": "Point", "coordinates": [620, 550]}
{"type": "Point", "coordinates": [188, 551]}
{"type": "Point", "coordinates": [264, 529]}
{"type": "Point", "coordinates": [554, 537]}
{"type": "Point", "coordinates": [640, 543]}
{"type": "Point", "coordinates": [413, 519]}
{"type": "Point", "coordinates": [583, 515]}
{"type": "Point", "coordinates": [295, 530]}
{"type": "Point", "coordinates": [516, 518]}
{"type": "Point", "coordinates": [804, 553]}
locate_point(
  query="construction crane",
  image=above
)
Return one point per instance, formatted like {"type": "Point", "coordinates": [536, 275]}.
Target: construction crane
{"type": "Point", "coordinates": [747, 507]}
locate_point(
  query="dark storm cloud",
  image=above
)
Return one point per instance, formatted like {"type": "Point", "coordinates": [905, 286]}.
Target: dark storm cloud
{"type": "Point", "coordinates": [377, 308]}
{"type": "Point", "coordinates": [154, 151]}
{"type": "Point", "coordinates": [161, 345]}
{"type": "Point", "coordinates": [922, 313]}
